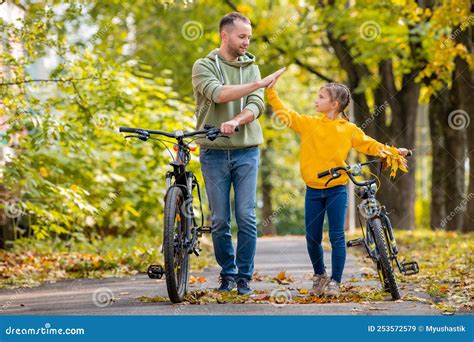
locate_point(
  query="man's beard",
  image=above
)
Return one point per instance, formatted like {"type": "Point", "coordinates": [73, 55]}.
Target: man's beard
{"type": "Point", "coordinates": [235, 51]}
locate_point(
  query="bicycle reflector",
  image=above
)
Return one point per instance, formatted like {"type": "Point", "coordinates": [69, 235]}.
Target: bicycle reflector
{"type": "Point", "coordinates": [192, 147]}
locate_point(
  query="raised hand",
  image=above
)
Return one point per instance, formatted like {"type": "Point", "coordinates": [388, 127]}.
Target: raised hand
{"type": "Point", "coordinates": [271, 79]}
{"type": "Point", "coordinates": [403, 151]}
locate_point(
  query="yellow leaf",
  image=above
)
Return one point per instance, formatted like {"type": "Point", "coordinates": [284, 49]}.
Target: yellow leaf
{"type": "Point", "coordinates": [43, 172]}
{"type": "Point", "coordinates": [244, 9]}
{"type": "Point", "coordinates": [133, 211]}
{"type": "Point", "coordinates": [193, 280]}
{"type": "Point", "coordinates": [281, 275]}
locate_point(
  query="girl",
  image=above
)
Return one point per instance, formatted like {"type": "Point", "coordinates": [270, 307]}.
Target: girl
{"type": "Point", "coordinates": [325, 143]}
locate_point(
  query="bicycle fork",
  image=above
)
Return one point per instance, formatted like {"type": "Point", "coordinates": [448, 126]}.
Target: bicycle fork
{"type": "Point", "coordinates": [405, 267]}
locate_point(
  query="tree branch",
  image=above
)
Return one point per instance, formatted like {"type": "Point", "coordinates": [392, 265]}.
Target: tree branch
{"type": "Point", "coordinates": [296, 60]}
{"type": "Point", "coordinates": [59, 80]}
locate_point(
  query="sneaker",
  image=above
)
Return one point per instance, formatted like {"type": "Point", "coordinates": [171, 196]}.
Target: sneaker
{"type": "Point", "coordinates": [320, 281]}
{"type": "Point", "coordinates": [243, 287]}
{"type": "Point", "coordinates": [227, 283]}
{"type": "Point", "coordinates": [333, 289]}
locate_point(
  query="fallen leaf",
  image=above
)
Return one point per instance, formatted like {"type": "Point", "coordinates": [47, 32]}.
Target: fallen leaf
{"type": "Point", "coordinates": [194, 280]}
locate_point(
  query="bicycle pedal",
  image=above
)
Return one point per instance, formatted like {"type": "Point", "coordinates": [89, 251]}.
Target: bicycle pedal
{"type": "Point", "coordinates": [356, 242]}
{"type": "Point", "coordinates": [204, 229]}
{"type": "Point", "coordinates": [197, 251]}
{"type": "Point", "coordinates": [155, 271]}
{"type": "Point", "coordinates": [409, 268]}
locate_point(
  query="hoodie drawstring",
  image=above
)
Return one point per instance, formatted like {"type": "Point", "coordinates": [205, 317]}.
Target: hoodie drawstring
{"type": "Point", "coordinates": [241, 99]}
{"type": "Point", "coordinates": [223, 81]}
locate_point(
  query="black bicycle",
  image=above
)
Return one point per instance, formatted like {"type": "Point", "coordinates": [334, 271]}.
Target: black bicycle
{"type": "Point", "coordinates": [378, 238]}
{"type": "Point", "coordinates": [181, 231]}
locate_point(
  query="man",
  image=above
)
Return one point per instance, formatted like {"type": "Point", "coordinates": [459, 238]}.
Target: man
{"type": "Point", "coordinates": [229, 94]}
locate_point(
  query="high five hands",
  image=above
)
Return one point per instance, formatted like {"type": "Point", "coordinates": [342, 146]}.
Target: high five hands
{"type": "Point", "coordinates": [228, 127]}
{"type": "Point", "coordinates": [270, 80]}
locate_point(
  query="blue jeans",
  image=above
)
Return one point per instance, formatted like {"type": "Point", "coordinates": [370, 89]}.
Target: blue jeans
{"type": "Point", "coordinates": [317, 203]}
{"type": "Point", "coordinates": [220, 169]}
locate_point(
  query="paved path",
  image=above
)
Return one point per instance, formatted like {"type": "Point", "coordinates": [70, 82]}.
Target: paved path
{"type": "Point", "coordinates": [75, 297]}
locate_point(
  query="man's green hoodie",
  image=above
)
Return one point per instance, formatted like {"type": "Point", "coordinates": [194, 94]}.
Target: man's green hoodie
{"type": "Point", "coordinates": [210, 74]}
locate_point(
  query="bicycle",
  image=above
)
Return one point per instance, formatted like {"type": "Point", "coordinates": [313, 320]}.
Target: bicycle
{"type": "Point", "coordinates": [181, 232]}
{"type": "Point", "coordinates": [378, 237]}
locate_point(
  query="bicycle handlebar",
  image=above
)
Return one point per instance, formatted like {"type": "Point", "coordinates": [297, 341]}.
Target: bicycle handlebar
{"type": "Point", "coordinates": [208, 130]}
{"type": "Point", "coordinates": [334, 172]}
{"type": "Point", "coordinates": [324, 174]}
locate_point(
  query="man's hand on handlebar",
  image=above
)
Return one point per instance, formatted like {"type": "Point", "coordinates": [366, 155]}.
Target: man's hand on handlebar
{"type": "Point", "coordinates": [230, 127]}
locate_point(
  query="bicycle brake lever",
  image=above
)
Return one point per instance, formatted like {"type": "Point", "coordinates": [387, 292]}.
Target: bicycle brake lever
{"type": "Point", "coordinates": [329, 180]}
{"type": "Point", "coordinates": [334, 176]}
{"type": "Point", "coordinates": [141, 137]}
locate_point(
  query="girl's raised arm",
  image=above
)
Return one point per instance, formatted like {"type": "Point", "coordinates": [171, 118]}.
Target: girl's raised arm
{"type": "Point", "coordinates": [290, 118]}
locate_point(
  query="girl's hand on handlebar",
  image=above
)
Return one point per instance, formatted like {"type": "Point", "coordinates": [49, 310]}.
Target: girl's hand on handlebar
{"type": "Point", "coordinates": [403, 151]}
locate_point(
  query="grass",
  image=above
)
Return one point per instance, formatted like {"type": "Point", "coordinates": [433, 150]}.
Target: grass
{"type": "Point", "coordinates": [32, 262]}
{"type": "Point", "coordinates": [446, 267]}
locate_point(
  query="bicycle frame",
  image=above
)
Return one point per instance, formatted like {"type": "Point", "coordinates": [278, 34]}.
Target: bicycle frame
{"type": "Point", "coordinates": [380, 212]}
{"type": "Point", "coordinates": [180, 177]}
{"type": "Point", "coordinates": [367, 190]}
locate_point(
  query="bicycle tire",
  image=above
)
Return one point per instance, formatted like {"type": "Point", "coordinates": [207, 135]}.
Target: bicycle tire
{"type": "Point", "coordinates": [387, 269]}
{"type": "Point", "coordinates": [176, 258]}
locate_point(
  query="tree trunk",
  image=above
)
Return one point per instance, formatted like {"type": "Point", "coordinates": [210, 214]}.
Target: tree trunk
{"type": "Point", "coordinates": [448, 131]}
{"type": "Point", "coordinates": [463, 84]}
{"type": "Point", "coordinates": [468, 224]}
{"type": "Point", "coordinates": [398, 194]}
{"type": "Point", "coordinates": [455, 139]}
{"type": "Point", "coordinates": [6, 223]}
{"type": "Point", "coordinates": [437, 113]}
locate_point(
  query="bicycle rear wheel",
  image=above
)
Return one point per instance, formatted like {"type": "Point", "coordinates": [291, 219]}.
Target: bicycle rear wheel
{"type": "Point", "coordinates": [384, 265]}
{"type": "Point", "coordinates": [175, 252]}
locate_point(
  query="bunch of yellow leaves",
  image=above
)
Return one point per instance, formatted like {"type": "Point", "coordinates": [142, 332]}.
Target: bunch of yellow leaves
{"type": "Point", "coordinates": [393, 160]}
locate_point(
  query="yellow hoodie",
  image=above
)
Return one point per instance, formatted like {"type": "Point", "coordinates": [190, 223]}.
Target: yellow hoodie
{"type": "Point", "coordinates": [325, 143]}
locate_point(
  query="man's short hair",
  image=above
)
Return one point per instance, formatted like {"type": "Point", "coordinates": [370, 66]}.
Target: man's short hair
{"type": "Point", "coordinates": [230, 18]}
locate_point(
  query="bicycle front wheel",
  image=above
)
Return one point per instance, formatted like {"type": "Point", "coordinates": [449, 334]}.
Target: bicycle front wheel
{"type": "Point", "coordinates": [384, 264]}
{"type": "Point", "coordinates": [175, 251]}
